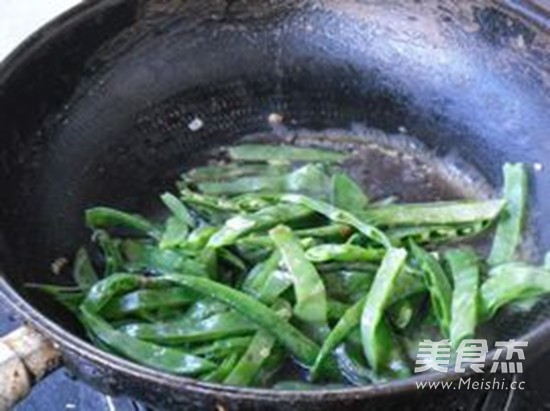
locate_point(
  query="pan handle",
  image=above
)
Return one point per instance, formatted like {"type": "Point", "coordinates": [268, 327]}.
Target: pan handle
{"type": "Point", "coordinates": [26, 357]}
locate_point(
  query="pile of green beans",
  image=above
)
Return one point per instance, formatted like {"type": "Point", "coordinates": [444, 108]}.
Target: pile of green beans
{"type": "Point", "coordinates": [274, 257]}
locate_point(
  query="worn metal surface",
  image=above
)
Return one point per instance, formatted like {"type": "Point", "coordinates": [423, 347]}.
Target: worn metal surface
{"type": "Point", "coordinates": [106, 121]}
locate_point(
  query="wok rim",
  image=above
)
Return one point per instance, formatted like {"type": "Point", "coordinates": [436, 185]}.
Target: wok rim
{"type": "Point", "coordinates": [71, 343]}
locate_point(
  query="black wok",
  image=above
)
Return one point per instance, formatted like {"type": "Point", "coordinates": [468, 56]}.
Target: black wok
{"type": "Point", "coordinates": [95, 108]}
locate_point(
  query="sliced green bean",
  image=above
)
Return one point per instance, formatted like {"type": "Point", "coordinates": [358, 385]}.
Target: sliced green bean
{"type": "Point", "coordinates": [343, 252]}
{"type": "Point", "coordinates": [166, 359]}
{"type": "Point", "coordinates": [339, 216]}
{"type": "Point", "coordinates": [374, 335]}
{"type": "Point", "coordinates": [346, 193]}
{"type": "Point", "coordinates": [223, 325]}
{"type": "Point", "coordinates": [141, 302]}
{"type": "Point", "coordinates": [257, 353]}
{"type": "Point", "coordinates": [178, 209]}
{"type": "Point", "coordinates": [302, 347]}
{"type": "Point", "coordinates": [438, 286]}
{"type": "Point", "coordinates": [223, 348]}
{"type": "Point", "coordinates": [175, 233]}
{"type": "Point", "coordinates": [464, 267]}
{"type": "Point", "coordinates": [440, 213]}
{"type": "Point", "coordinates": [512, 282]}
{"type": "Point", "coordinates": [271, 153]}
{"type": "Point", "coordinates": [266, 218]}
{"type": "Point", "coordinates": [105, 218]}
{"type": "Point", "coordinates": [508, 233]}
{"type": "Point", "coordinates": [311, 299]}
{"type": "Point", "coordinates": [345, 325]}
{"type": "Point", "coordinates": [230, 171]}
{"type": "Point", "coordinates": [84, 273]}
{"type": "Point", "coordinates": [221, 373]}
{"type": "Point", "coordinates": [309, 179]}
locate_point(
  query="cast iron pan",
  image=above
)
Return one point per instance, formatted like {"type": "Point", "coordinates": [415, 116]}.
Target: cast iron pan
{"type": "Point", "coordinates": [94, 109]}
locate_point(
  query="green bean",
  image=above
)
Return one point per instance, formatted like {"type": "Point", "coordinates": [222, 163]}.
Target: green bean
{"type": "Point", "coordinates": [104, 218]}
{"type": "Point", "coordinates": [178, 209]}
{"type": "Point", "coordinates": [117, 284]}
{"type": "Point", "coordinates": [464, 268]}
{"type": "Point", "coordinates": [259, 274]}
{"type": "Point", "coordinates": [270, 153]}
{"type": "Point", "coordinates": [277, 283]}
{"type": "Point", "coordinates": [266, 218]}
{"type": "Point", "coordinates": [206, 202]}
{"type": "Point", "coordinates": [402, 312]}
{"type": "Point", "coordinates": [111, 253]}
{"type": "Point", "coordinates": [440, 213]}
{"type": "Point", "coordinates": [339, 216]}
{"type": "Point", "coordinates": [303, 348]}
{"type": "Point", "coordinates": [348, 322]}
{"type": "Point", "coordinates": [199, 237]}
{"type": "Point", "coordinates": [512, 282]}
{"type": "Point", "coordinates": [373, 334]}
{"type": "Point", "coordinates": [155, 260]}
{"type": "Point", "coordinates": [175, 233]}
{"type": "Point", "coordinates": [231, 259]}
{"type": "Point", "coordinates": [343, 252]}
{"type": "Point", "coordinates": [309, 179]}
{"type": "Point", "coordinates": [223, 348]}
{"type": "Point", "coordinates": [141, 302]}
{"type": "Point", "coordinates": [335, 232]}
{"type": "Point", "coordinates": [84, 273]}
{"type": "Point", "coordinates": [336, 309]}
{"type": "Point", "coordinates": [258, 351]}
{"type": "Point", "coordinates": [220, 373]}
{"type": "Point", "coordinates": [509, 228]}
{"type": "Point", "coordinates": [346, 194]}
{"type": "Point", "coordinates": [162, 358]}
{"type": "Point", "coordinates": [223, 325]}
{"type": "Point", "coordinates": [438, 286]}
{"type": "Point", "coordinates": [229, 171]}
{"type": "Point", "coordinates": [311, 300]}
{"type": "Point", "coordinates": [348, 285]}
{"type": "Point", "coordinates": [202, 309]}
{"type": "Point", "coordinates": [436, 234]}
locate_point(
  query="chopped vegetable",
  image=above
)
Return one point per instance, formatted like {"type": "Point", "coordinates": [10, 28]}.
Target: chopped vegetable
{"type": "Point", "coordinates": [464, 268]}
{"type": "Point", "coordinates": [508, 233]}
{"type": "Point", "coordinates": [276, 255]}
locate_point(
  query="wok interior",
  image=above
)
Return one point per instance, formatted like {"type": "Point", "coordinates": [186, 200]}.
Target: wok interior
{"type": "Point", "coordinates": [121, 135]}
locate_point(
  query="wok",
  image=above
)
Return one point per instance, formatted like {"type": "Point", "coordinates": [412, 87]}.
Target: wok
{"type": "Point", "coordinates": [95, 109]}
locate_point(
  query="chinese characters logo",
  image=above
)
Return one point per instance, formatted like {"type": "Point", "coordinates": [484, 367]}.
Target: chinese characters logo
{"type": "Point", "coordinates": [437, 355]}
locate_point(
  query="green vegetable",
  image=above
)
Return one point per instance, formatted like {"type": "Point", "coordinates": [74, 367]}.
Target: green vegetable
{"type": "Point", "coordinates": [343, 252]}
{"type": "Point", "coordinates": [438, 286]}
{"type": "Point", "coordinates": [178, 209]}
{"type": "Point", "coordinates": [105, 218]}
{"type": "Point", "coordinates": [508, 233]}
{"type": "Point", "coordinates": [258, 152]}
{"type": "Point", "coordinates": [345, 325]}
{"type": "Point", "coordinates": [304, 349]}
{"type": "Point", "coordinates": [374, 332]}
{"type": "Point", "coordinates": [454, 212]}
{"type": "Point", "coordinates": [308, 179]}
{"type": "Point", "coordinates": [264, 219]}
{"type": "Point", "coordinates": [311, 299]}
{"type": "Point", "coordinates": [512, 282]}
{"type": "Point", "coordinates": [338, 216]}
{"type": "Point", "coordinates": [177, 332]}
{"type": "Point", "coordinates": [162, 358]}
{"type": "Point", "coordinates": [464, 268]}
{"type": "Point", "coordinates": [276, 254]}
{"type": "Point", "coordinates": [346, 194]}
{"type": "Point", "coordinates": [84, 273]}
